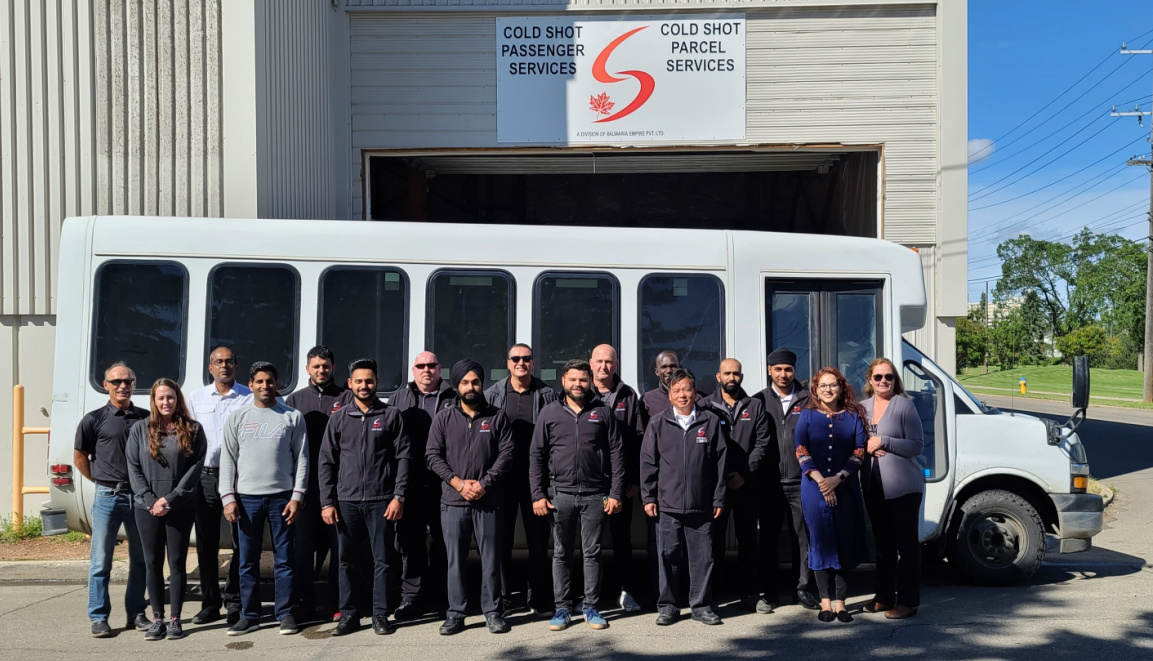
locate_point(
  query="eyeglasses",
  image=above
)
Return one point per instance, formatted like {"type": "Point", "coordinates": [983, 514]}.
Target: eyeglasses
{"type": "Point", "coordinates": [225, 361]}
{"type": "Point", "coordinates": [885, 377]}
{"type": "Point", "coordinates": [425, 366]}
{"type": "Point", "coordinates": [121, 382]}
{"type": "Point", "coordinates": [517, 359]}
{"type": "Point", "coordinates": [828, 386]}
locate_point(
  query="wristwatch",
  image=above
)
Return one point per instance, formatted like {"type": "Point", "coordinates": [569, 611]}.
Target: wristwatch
{"type": "Point", "coordinates": [399, 499]}
{"type": "Point", "coordinates": [844, 475]}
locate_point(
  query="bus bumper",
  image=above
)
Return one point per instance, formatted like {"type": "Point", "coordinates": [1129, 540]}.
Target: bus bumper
{"type": "Point", "coordinates": [1079, 517]}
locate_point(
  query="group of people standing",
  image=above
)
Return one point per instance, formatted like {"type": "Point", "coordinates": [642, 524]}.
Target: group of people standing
{"type": "Point", "coordinates": [394, 494]}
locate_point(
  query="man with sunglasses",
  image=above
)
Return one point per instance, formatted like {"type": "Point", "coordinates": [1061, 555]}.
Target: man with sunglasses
{"type": "Point", "coordinates": [521, 396]}
{"type": "Point", "coordinates": [99, 456]}
{"type": "Point", "coordinates": [211, 406]}
{"type": "Point", "coordinates": [423, 568]}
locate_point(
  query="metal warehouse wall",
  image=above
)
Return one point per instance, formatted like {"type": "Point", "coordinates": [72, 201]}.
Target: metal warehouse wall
{"type": "Point", "coordinates": [854, 75]}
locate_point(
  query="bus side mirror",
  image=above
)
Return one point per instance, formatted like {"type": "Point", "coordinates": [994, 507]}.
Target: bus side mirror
{"type": "Point", "coordinates": [1081, 382]}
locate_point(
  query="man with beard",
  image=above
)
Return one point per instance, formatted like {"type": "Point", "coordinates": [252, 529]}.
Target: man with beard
{"type": "Point", "coordinates": [423, 566]}
{"type": "Point", "coordinates": [784, 400]}
{"type": "Point", "coordinates": [522, 396]}
{"type": "Point", "coordinates": [317, 401]}
{"type": "Point", "coordinates": [363, 474]}
{"type": "Point", "coordinates": [750, 443]}
{"type": "Point", "coordinates": [470, 449]}
{"type": "Point", "coordinates": [577, 474]}
{"type": "Point", "coordinates": [622, 400]}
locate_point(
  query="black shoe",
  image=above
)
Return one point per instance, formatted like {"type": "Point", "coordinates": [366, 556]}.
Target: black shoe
{"type": "Point", "coordinates": [826, 616]}
{"type": "Point", "coordinates": [764, 606]}
{"type": "Point", "coordinates": [406, 611]}
{"type": "Point", "coordinates": [452, 625]}
{"type": "Point", "coordinates": [243, 626]}
{"type": "Point", "coordinates": [156, 630]}
{"type": "Point", "coordinates": [140, 622]}
{"type": "Point", "coordinates": [757, 605]}
{"type": "Point", "coordinates": [707, 617]}
{"type": "Point", "coordinates": [495, 623]}
{"type": "Point", "coordinates": [100, 629]}
{"type": "Point", "coordinates": [665, 619]}
{"type": "Point", "coordinates": [288, 625]}
{"type": "Point", "coordinates": [206, 615]}
{"type": "Point", "coordinates": [233, 617]}
{"type": "Point", "coordinates": [808, 600]}
{"type": "Point", "coordinates": [381, 626]}
{"type": "Point", "coordinates": [175, 630]}
{"type": "Point", "coordinates": [843, 616]}
{"type": "Point", "coordinates": [347, 625]}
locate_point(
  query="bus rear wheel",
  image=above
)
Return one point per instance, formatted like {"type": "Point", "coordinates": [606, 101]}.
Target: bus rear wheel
{"type": "Point", "coordinates": [1000, 539]}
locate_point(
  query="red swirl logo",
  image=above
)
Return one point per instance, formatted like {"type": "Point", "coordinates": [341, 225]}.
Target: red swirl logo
{"type": "Point", "coordinates": [601, 105]}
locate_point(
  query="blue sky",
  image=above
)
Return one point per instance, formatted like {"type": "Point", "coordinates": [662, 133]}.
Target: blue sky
{"type": "Point", "coordinates": [1064, 168]}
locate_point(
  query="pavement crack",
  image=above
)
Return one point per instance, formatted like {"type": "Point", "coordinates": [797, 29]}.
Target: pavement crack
{"type": "Point", "coordinates": [30, 605]}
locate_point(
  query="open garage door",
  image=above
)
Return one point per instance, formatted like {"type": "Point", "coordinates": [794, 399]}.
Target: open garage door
{"type": "Point", "coordinates": [815, 191]}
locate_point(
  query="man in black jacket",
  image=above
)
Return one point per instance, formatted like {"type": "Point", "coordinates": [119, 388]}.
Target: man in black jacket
{"type": "Point", "coordinates": [470, 450]}
{"type": "Point", "coordinates": [522, 396]}
{"type": "Point", "coordinates": [363, 474]}
{"type": "Point", "coordinates": [424, 567]}
{"type": "Point", "coordinates": [577, 473]}
{"type": "Point", "coordinates": [683, 487]}
{"type": "Point", "coordinates": [317, 401]}
{"type": "Point", "coordinates": [751, 442]}
{"type": "Point", "coordinates": [656, 401]}
{"type": "Point", "coordinates": [783, 401]}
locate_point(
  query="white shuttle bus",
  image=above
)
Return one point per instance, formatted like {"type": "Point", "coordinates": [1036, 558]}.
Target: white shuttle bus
{"type": "Point", "coordinates": [159, 293]}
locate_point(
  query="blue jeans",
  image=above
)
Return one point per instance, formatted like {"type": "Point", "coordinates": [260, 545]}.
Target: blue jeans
{"type": "Point", "coordinates": [254, 510]}
{"type": "Point", "coordinates": [111, 509]}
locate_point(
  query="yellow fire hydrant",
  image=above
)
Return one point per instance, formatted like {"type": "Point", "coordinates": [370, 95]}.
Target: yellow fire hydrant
{"type": "Point", "coordinates": [1024, 387]}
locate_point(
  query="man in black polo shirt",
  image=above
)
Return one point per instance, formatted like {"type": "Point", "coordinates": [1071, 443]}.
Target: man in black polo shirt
{"type": "Point", "coordinates": [316, 401]}
{"type": "Point", "coordinates": [99, 456]}
{"type": "Point", "coordinates": [522, 396]}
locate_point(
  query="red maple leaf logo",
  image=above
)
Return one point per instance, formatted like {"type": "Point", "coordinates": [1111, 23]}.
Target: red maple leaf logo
{"type": "Point", "coordinates": [600, 104]}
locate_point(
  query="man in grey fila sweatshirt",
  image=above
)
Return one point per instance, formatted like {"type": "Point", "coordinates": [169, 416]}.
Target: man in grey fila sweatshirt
{"type": "Point", "coordinates": [263, 477]}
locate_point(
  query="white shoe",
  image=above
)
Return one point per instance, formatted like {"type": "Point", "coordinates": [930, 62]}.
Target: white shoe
{"type": "Point", "coordinates": [628, 604]}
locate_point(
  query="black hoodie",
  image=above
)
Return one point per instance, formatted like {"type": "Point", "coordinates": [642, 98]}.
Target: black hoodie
{"type": "Point", "coordinates": [417, 421]}
{"type": "Point", "coordinates": [785, 423]}
{"type": "Point", "coordinates": [752, 443]}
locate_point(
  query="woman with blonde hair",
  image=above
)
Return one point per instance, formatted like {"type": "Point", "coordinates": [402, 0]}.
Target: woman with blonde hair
{"type": "Point", "coordinates": [165, 457]}
{"type": "Point", "coordinates": [894, 485]}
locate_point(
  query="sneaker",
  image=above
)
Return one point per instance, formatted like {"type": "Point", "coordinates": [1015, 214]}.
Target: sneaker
{"type": "Point", "coordinates": [100, 629]}
{"type": "Point", "coordinates": [381, 626]}
{"type": "Point", "coordinates": [560, 620]}
{"type": "Point", "coordinates": [628, 603]}
{"type": "Point", "coordinates": [451, 626]}
{"type": "Point", "coordinates": [233, 617]}
{"type": "Point", "coordinates": [288, 625]}
{"type": "Point", "coordinates": [140, 622]}
{"type": "Point", "coordinates": [347, 625]}
{"type": "Point", "coordinates": [243, 625]}
{"type": "Point", "coordinates": [206, 615]}
{"type": "Point", "coordinates": [594, 619]}
{"type": "Point", "coordinates": [175, 631]}
{"type": "Point", "coordinates": [496, 623]}
{"type": "Point", "coordinates": [157, 629]}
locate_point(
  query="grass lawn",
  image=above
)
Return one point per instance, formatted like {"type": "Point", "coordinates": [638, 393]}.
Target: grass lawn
{"type": "Point", "coordinates": [1124, 384]}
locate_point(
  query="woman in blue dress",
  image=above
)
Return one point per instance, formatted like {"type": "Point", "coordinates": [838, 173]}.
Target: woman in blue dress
{"type": "Point", "coordinates": [831, 440]}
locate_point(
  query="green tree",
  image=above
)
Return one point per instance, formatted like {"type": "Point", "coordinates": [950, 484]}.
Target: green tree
{"type": "Point", "coordinates": [1091, 341]}
{"type": "Point", "coordinates": [970, 342]}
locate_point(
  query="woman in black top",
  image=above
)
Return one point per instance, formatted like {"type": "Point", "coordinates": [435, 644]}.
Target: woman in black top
{"type": "Point", "coordinates": [165, 456]}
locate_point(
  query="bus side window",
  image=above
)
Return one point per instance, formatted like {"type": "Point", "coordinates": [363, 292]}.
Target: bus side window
{"type": "Point", "coordinates": [140, 317]}
{"type": "Point", "coordinates": [685, 314]}
{"type": "Point", "coordinates": [471, 314]}
{"type": "Point", "coordinates": [364, 314]}
{"type": "Point", "coordinates": [574, 312]}
{"type": "Point", "coordinates": [254, 310]}
{"type": "Point", "coordinates": [928, 395]}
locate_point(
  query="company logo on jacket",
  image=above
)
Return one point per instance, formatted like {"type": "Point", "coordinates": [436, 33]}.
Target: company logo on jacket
{"type": "Point", "coordinates": [484, 426]}
{"type": "Point", "coordinates": [377, 424]}
{"type": "Point", "coordinates": [744, 415]}
{"type": "Point", "coordinates": [701, 436]}
{"type": "Point", "coordinates": [593, 416]}
{"type": "Point", "coordinates": [335, 407]}
{"type": "Point", "coordinates": [620, 406]}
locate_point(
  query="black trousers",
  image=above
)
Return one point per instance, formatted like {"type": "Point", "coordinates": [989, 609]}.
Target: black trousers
{"type": "Point", "coordinates": [209, 514]}
{"type": "Point", "coordinates": [461, 526]}
{"type": "Point", "coordinates": [685, 544]}
{"type": "Point", "coordinates": [170, 532]}
{"type": "Point", "coordinates": [744, 511]}
{"type": "Point", "coordinates": [424, 564]}
{"type": "Point", "coordinates": [363, 525]}
{"type": "Point", "coordinates": [782, 503]}
{"type": "Point", "coordinates": [624, 572]}
{"type": "Point", "coordinates": [537, 586]}
{"type": "Point", "coordinates": [833, 583]}
{"type": "Point", "coordinates": [897, 538]}
{"type": "Point", "coordinates": [315, 541]}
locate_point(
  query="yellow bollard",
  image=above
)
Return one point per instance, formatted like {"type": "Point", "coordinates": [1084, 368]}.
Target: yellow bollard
{"type": "Point", "coordinates": [1024, 388]}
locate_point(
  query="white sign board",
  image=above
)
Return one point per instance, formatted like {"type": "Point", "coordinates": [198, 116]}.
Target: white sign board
{"type": "Point", "coordinates": [590, 80]}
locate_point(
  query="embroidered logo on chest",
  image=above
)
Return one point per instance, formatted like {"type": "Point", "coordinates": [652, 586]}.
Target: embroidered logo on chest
{"type": "Point", "coordinates": [796, 409]}
{"type": "Point", "coordinates": [701, 432]}
{"type": "Point", "coordinates": [484, 427]}
{"type": "Point", "coordinates": [377, 424]}
{"type": "Point", "coordinates": [620, 406]}
{"type": "Point", "coordinates": [335, 407]}
{"type": "Point", "coordinates": [744, 415]}
{"type": "Point", "coordinates": [593, 416]}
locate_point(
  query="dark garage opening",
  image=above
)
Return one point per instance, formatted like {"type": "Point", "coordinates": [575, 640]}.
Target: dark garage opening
{"type": "Point", "coordinates": [783, 191]}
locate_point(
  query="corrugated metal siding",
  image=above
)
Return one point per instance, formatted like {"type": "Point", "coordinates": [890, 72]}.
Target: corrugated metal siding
{"type": "Point", "coordinates": [848, 75]}
{"type": "Point", "coordinates": [46, 154]}
{"type": "Point", "coordinates": [925, 339]}
{"type": "Point", "coordinates": [295, 109]}
{"type": "Point", "coordinates": [158, 102]}
{"type": "Point", "coordinates": [584, 5]}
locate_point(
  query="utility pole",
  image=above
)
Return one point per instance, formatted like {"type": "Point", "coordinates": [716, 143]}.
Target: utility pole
{"type": "Point", "coordinates": [1146, 162]}
{"type": "Point", "coordinates": [986, 327]}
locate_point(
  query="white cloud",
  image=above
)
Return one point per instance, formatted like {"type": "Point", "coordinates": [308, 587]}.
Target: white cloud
{"type": "Point", "coordinates": [980, 149]}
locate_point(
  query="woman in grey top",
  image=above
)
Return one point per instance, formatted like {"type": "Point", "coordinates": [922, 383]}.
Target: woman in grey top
{"type": "Point", "coordinates": [165, 456]}
{"type": "Point", "coordinates": [894, 485]}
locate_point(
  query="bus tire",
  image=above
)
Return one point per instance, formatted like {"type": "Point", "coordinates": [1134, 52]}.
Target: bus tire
{"type": "Point", "coordinates": [999, 540]}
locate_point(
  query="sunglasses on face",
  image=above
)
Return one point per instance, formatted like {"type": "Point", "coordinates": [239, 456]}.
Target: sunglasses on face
{"type": "Point", "coordinates": [120, 382]}
{"type": "Point", "coordinates": [884, 377]}
{"type": "Point", "coordinates": [517, 359]}
{"type": "Point", "coordinates": [426, 366]}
